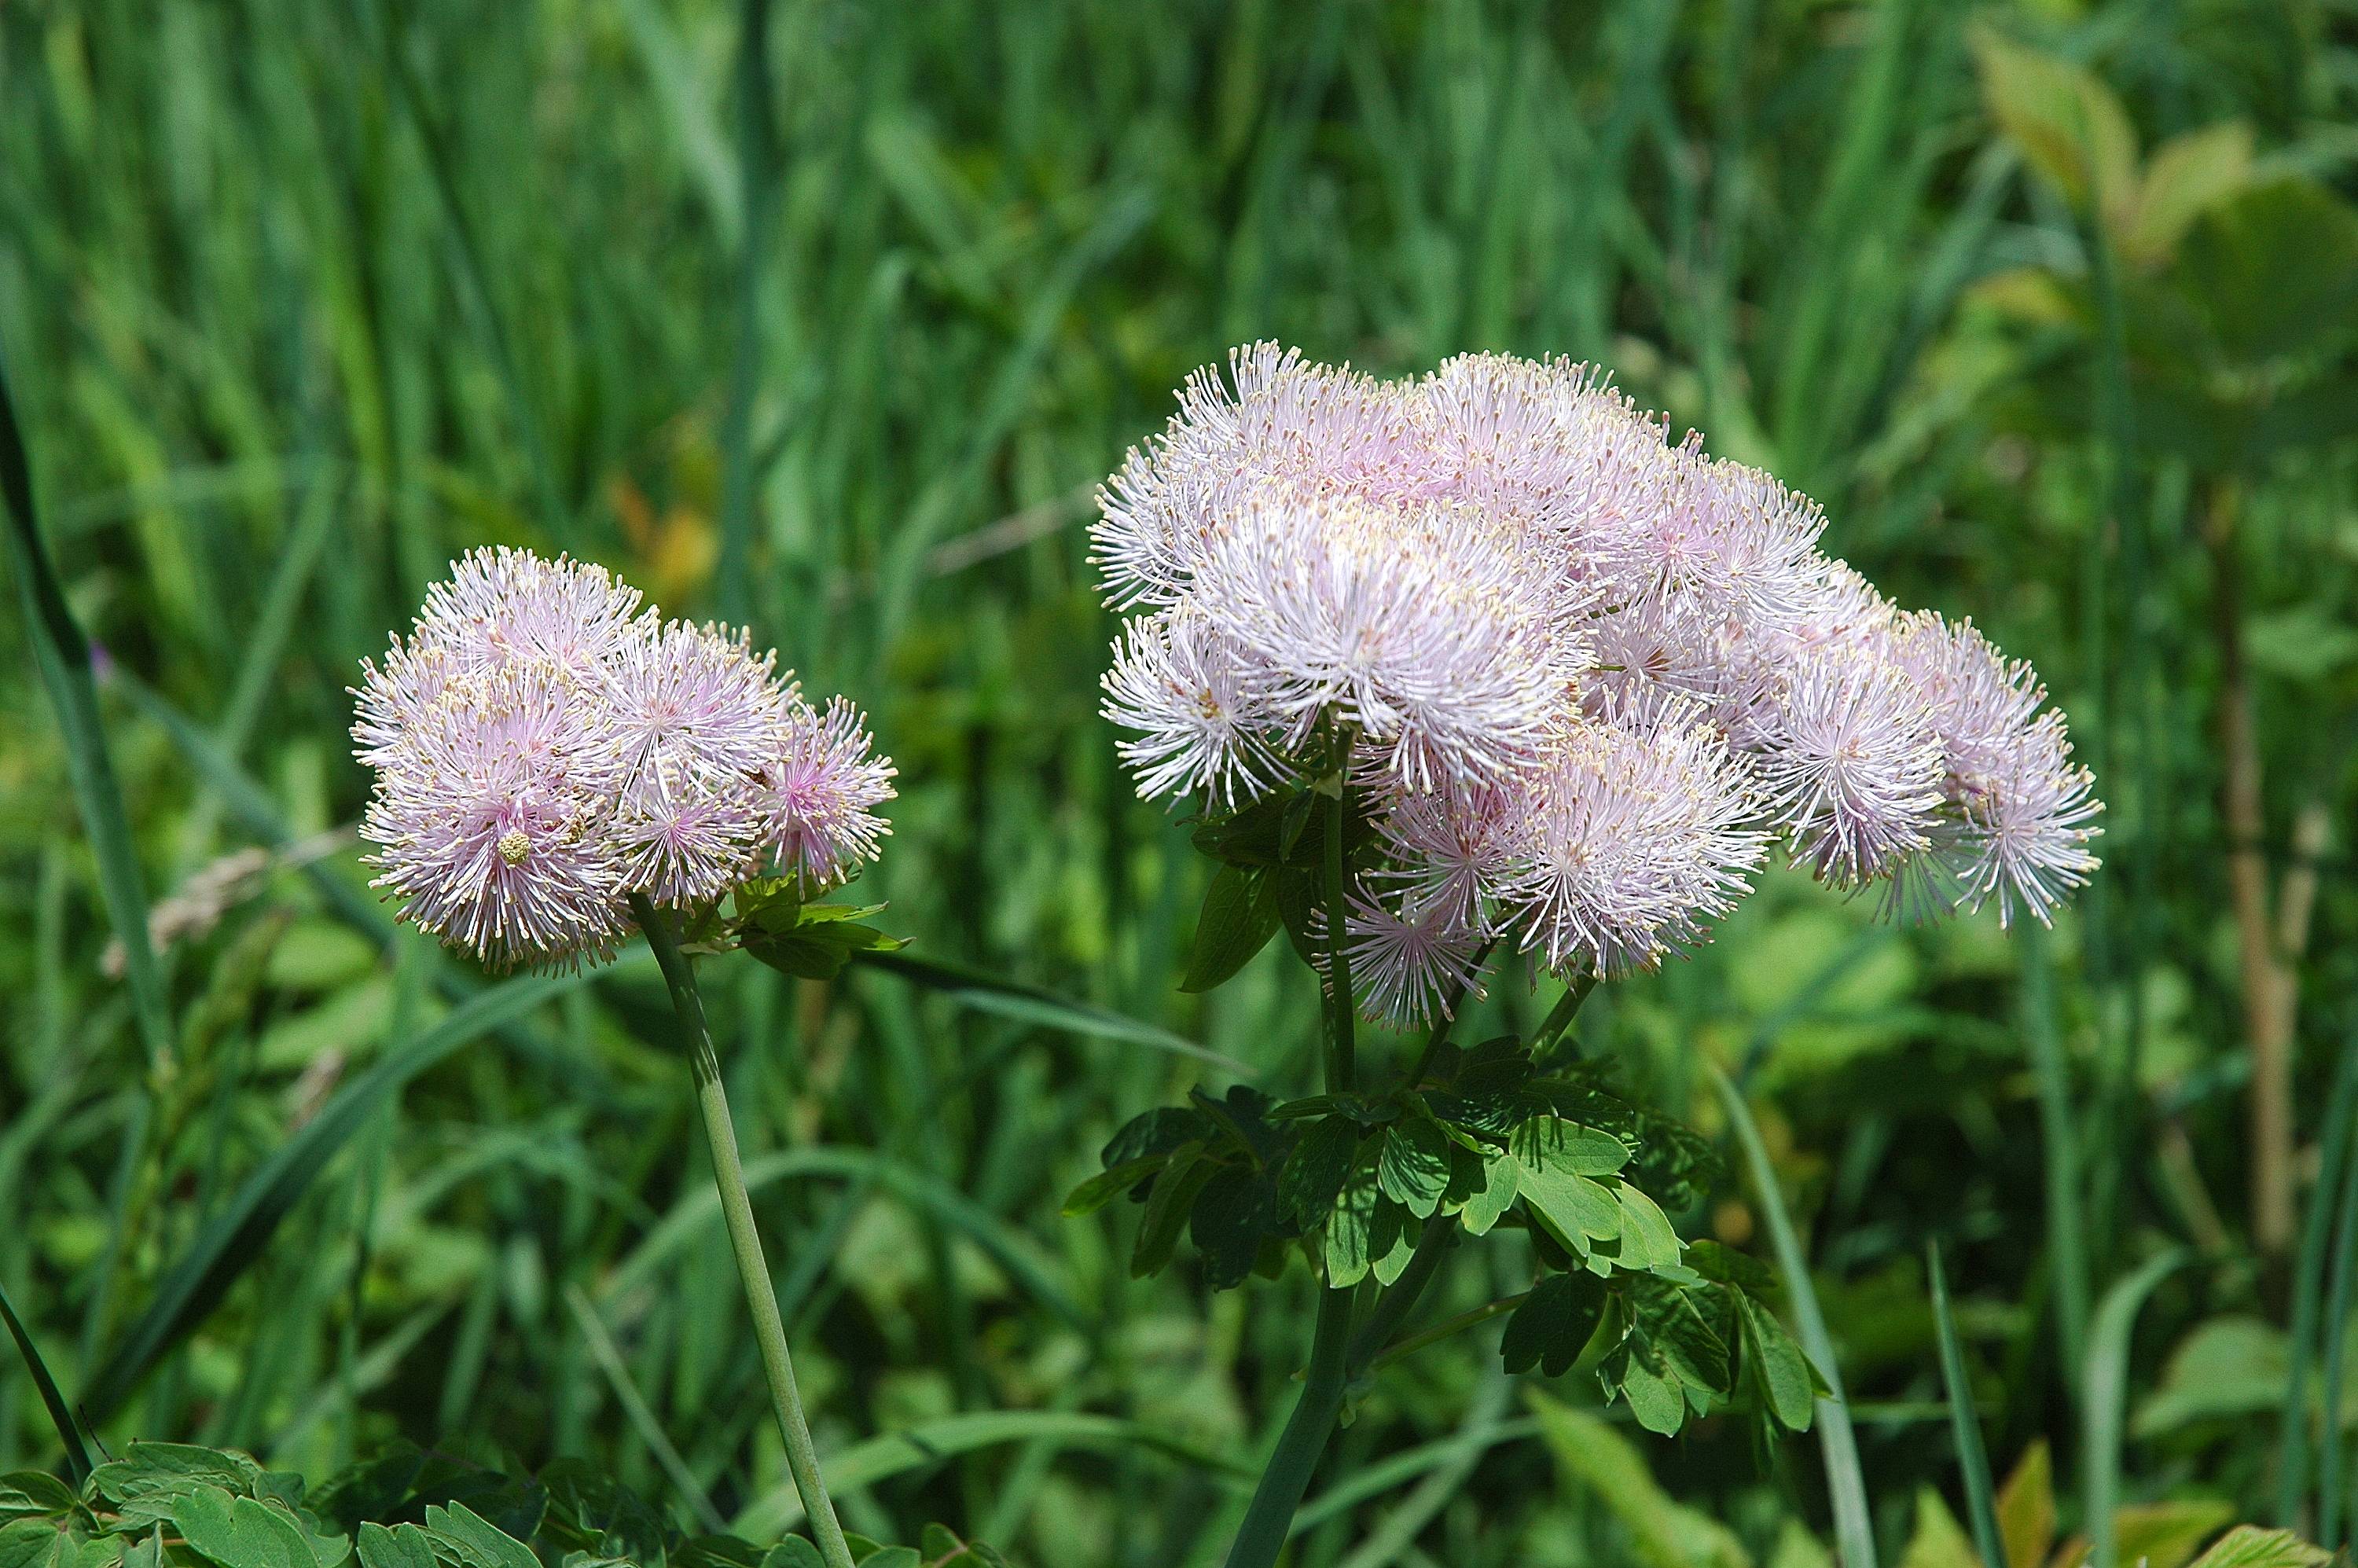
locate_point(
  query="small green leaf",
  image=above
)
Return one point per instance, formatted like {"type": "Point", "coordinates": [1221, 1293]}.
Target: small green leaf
{"type": "Point", "coordinates": [31, 1542]}
{"type": "Point", "coordinates": [476, 1541]}
{"type": "Point", "coordinates": [836, 914]}
{"type": "Point", "coordinates": [1239, 916]}
{"type": "Point", "coordinates": [239, 1532]}
{"type": "Point", "coordinates": [772, 903]}
{"type": "Point", "coordinates": [1729, 1267]}
{"type": "Point", "coordinates": [1567, 1146]}
{"type": "Point", "coordinates": [1553, 1324]}
{"type": "Point", "coordinates": [1413, 1165]}
{"type": "Point", "coordinates": [1495, 1197]}
{"type": "Point", "coordinates": [1779, 1372]}
{"type": "Point", "coordinates": [1167, 1208]}
{"type": "Point", "coordinates": [794, 1552]}
{"type": "Point", "coordinates": [1350, 1245]}
{"type": "Point", "coordinates": [402, 1546]}
{"type": "Point", "coordinates": [1107, 1185]}
{"type": "Point", "coordinates": [1391, 1242]}
{"type": "Point", "coordinates": [1655, 1397]}
{"type": "Point", "coordinates": [1231, 1216]}
{"type": "Point", "coordinates": [2248, 1546]}
{"type": "Point", "coordinates": [1668, 1322]}
{"type": "Point", "coordinates": [34, 1493]}
{"type": "Point", "coordinates": [1645, 1229]}
{"type": "Point", "coordinates": [1575, 1210]}
{"type": "Point", "coordinates": [1156, 1131]}
{"type": "Point", "coordinates": [1315, 1173]}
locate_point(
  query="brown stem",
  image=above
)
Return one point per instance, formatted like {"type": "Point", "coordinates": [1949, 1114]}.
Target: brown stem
{"type": "Point", "coordinates": [2267, 1018]}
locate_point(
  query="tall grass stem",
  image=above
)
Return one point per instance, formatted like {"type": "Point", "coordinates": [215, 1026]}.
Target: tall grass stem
{"type": "Point", "coordinates": [1846, 1484]}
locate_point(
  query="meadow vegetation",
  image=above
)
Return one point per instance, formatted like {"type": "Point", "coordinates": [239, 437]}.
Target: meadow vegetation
{"type": "Point", "coordinates": [827, 319]}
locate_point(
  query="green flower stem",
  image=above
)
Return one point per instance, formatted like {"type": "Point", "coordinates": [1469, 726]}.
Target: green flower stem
{"type": "Point", "coordinates": [1342, 1063]}
{"type": "Point", "coordinates": [737, 1209]}
{"type": "Point", "coordinates": [1438, 1035]}
{"type": "Point", "coordinates": [1439, 1235]}
{"type": "Point", "coordinates": [1389, 1354]}
{"type": "Point", "coordinates": [1269, 1517]}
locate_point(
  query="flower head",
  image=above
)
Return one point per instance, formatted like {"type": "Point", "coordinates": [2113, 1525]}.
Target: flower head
{"type": "Point", "coordinates": [1586, 674]}
{"type": "Point", "coordinates": [818, 790]}
{"type": "Point", "coordinates": [491, 824]}
{"type": "Point", "coordinates": [544, 749]}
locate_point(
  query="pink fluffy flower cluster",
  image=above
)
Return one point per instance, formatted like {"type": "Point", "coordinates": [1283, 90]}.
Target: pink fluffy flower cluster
{"type": "Point", "coordinates": [1590, 677]}
{"type": "Point", "coordinates": [545, 747]}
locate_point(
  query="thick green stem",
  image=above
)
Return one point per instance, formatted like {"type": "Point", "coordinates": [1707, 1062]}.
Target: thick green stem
{"type": "Point", "coordinates": [1269, 1517]}
{"type": "Point", "coordinates": [736, 1210]}
{"type": "Point", "coordinates": [1342, 1061]}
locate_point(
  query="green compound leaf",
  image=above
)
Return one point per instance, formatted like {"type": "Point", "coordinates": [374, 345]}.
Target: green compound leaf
{"type": "Point", "coordinates": [1412, 1166]}
{"type": "Point", "coordinates": [1553, 1324]}
{"type": "Point", "coordinates": [148, 1483]}
{"type": "Point", "coordinates": [1240, 915]}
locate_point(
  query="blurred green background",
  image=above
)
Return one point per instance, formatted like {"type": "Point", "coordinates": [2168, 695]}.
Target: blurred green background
{"type": "Point", "coordinates": [2051, 305]}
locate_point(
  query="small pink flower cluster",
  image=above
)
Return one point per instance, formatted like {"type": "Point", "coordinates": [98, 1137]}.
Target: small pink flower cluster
{"type": "Point", "coordinates": [545, 747]}
{"type": "Point", "coordinates": [1589, 675]}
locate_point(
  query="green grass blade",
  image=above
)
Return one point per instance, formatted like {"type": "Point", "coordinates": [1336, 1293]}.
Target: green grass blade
{"type": "Point", "coordinates": [260, 815]}
{"type": "Point", "coordinates": [2335, 1329]}
{"type": "Point", "coordinates": [2105, 1400]}
{"type": "Point", "coordinates": [643, 1418]}
{"type": "Point", "coordinates": [930, 1442]}
{"type": "Point", "coordinates": [62, 654]}
{"type": "Point", "coordinates": [76, 1456]}
{"type": "Point", "coordinates": [1973, 1460]}
{"type": "Point", "coordinates": [756, 135]}
{"type": "Point", "coordinates": [2309, 1289]}
{"type": "Point", "coordinates": [1009, 1249]}
{"type": "Point", "coordinates": [2067, 1246]}
{"type": "Point", "coordinates": [239, 1235]}
{"type": "Point", "coordinates": [986, 992]}
{"type": "Point", "coordinates": [1845, 1484]}
{"type": "Point", "coordinates": [474, 274]}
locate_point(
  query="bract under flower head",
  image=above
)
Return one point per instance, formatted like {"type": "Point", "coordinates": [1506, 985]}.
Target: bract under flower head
{"type": "Point", "coordinates": [544, 749]}
{"type": "Point", "coordinates": [1587, 673]}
